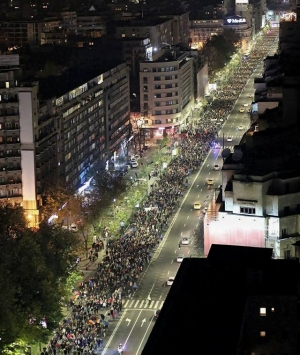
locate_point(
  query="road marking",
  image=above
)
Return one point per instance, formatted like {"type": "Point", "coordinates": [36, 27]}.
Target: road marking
{"type": "Point", "coordinates": [131, 303]}
{"type": "Point", "coordinates": [187, 217]}
{"type": "Point", "coordinates": [113, 333]}
{"type": "Point", "coordinates": [151, 304]}
{"type": "Point", "coordinates": [143, 321]}
{"type": "Point", "coordinates": [136, 303]}
{"type": "Point", "coordinates": [132, 328]}
{"type": "Point", "coordinates": [141, 305]}
{"type": "Point", "coordinates": [151, 289]}
{"type": "Point", "coordinates": [197, 186]}
{"type": "Point", "coordinates": [141, 342]}
{"type": "Point", "coordinates": [156, 303]}
{"type": "Point", "coordinates": [198, 196]}
{"type": "Point", "coordinates": [188, 251]}
{"type": "Point", "coordinates": [185, 223]}
{"type": "Point", "coordinates": [175, 251]}
{"type": "Point", "coordinates": [171, 261]}
{"type": "Point", "coordinates": [168, 272]}
{"type": "Point", "coordinates": [128, 321]}
{"type": "Point", "coordinates": [181, 233]}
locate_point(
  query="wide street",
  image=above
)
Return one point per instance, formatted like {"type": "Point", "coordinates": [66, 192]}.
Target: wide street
{"type": "Point", "coordinates": [136, 321]}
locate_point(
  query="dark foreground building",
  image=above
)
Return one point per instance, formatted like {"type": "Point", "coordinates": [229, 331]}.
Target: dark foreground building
{"type": "Point", "coordinates": [237, 301]}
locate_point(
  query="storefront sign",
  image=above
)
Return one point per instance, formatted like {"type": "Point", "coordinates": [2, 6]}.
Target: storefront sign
{"type": "Point", "coordinates": [235, 20]}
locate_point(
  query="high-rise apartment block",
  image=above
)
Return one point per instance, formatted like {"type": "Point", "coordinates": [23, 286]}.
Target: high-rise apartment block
{"type": "Point", "coordinates": [58, 128]}
{"type": "Point", "coordinates": [166, 91]}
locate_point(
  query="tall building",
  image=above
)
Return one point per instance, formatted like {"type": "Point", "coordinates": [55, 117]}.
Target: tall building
{"type": "Point", "coordinates": [58, 128]}
{"type": "Point", "coordinates": [259, 203]}
{"type": "Point", "coordinates": [18, 115]}
{"type": "Point", "coordinates": [166, 91]}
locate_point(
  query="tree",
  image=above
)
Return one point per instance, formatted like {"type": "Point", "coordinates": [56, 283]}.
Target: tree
{"type": "Point", "coordinates": [34, 267]}
{"type": "Point", "coordinates": [55, 195]}
{"type": "Point", "coordinates": [219, 49]}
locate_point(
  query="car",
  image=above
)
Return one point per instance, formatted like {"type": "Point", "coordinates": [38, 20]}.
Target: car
{"type": "Point", "coordinates": [229, 139]}
{"type": "Point", "coordinates": [137, 157]}
{"type": "Point", "coordinates": [133, 159]}
{"type": "Point", "coordinates": [242, 110]}
{"type": "Point", "coordinates": [246, 105]}
{"type": "Point", "coordinates": [156, 314]}
{"type": "Point", "coordinates": [184, 241]}
{"type": "Point", "coordinates": [134, 164]}
{"type": "Point", "coordinates": [180, 257]}
{"type": "Point", "coordinates": [170, 281]}
{"type": "Point", "coordinates": [240, 127]}
{"type": "Point", "coordinates": [216, 167]}
{"type": "Point", "coordinates": [210, 181]}
{"type": "Point", "coordinates": [197, 205]}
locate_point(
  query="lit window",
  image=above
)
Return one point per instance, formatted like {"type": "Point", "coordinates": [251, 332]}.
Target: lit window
{"type": "Point", "coordinates": [262, 333]}
{"type": "Point", "coordinates": [263, 311]}
{"type": "Point", "coordinates": [272, 309]}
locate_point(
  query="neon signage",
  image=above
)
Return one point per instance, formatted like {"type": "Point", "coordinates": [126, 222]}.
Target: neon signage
{"type": "Point", "coordinates": [235, 20]}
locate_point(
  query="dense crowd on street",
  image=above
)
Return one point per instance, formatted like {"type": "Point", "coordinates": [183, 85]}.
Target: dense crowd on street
{"type": "Point", "coordinates": [99, 300]}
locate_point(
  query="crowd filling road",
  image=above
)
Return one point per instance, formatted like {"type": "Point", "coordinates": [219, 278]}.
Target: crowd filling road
{"type": "Point", "coordinates": [99, 300]}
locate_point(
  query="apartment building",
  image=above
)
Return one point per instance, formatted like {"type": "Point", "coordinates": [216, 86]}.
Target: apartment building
{"type": "Point", "coordinates": [58, 128]}
{"type": "Point", "coordinates": [158, 30]}
{"type": "Point", "coordinates": [18, 119]}
{"type": "Point", "coordinates": [93, 118]}
{"type": "Point", "coordinates": [166, 91]}
{"type": "Point", "coordinates": [27, 32]}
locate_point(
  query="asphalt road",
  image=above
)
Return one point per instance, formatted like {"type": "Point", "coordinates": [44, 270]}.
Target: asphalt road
{"type": "Point", "coordinates": [136, 321]}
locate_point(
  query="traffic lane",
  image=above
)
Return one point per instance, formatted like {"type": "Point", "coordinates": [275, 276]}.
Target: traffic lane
{"type": "Point", "coordinates": [132, 331]}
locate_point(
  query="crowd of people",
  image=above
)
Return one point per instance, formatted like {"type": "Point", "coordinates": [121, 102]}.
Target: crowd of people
{"type": "Point", "coordinates": [99, 300]}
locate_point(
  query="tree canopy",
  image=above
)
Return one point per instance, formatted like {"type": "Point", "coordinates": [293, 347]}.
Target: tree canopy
{"type": "Point", "coordinates": [34, 267]}
{"type": "Point", "coordinates": [219, 49]}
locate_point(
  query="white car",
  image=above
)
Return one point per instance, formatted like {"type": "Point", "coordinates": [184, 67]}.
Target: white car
{"type": "Point", "coordinates": [134, 164]}
{"type": "Point", "coordinates": [216, 167]}
{"type": "Point", "coordinates": [180, 257]}
{"type": "Point", "coordinates": [229, 139]}
{"type": "Point", "coordinates": [240, 127]}
{"type": "Point", "coordinates": [184, 241]}
{"type": "Point", "coordinates": [170, 281]}
{"type": "Point", "coordinates": [245, 105]}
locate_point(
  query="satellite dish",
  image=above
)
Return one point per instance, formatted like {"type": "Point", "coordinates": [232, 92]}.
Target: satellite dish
{"type": "Point", "coordinates": [237, 155]}
{"type": "Point", "coordinates": [225, 153]}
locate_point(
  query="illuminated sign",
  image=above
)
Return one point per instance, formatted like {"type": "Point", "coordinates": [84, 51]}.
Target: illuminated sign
{"type": "Point", "coordinates": [235, 21]}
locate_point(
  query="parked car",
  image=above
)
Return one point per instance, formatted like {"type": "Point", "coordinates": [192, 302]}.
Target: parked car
{"type": "Point", "coordinates": [216, 167]}
{"type": "Point", "coordinates": [240, 127]}
{"type": "Point", "coordinates": [170, 281]}
{"type": "Point", "coordinates": [180, 258]}
{"type": "Point", "coordinates": [134, 164]}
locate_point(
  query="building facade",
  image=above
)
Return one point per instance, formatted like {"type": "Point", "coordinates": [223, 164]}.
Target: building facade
{"type": "Point", "coordinates": [166, 91]}
{"type": "Point", "coordinates": [57, 137]}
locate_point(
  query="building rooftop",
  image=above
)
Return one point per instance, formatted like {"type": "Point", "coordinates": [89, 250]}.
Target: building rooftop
{"type": "Point", "coordinates": [142, 22]}
{"type": "Point", "coordinates": [56, 86]}
{"type": "Point", "coordinates": [204, 310]}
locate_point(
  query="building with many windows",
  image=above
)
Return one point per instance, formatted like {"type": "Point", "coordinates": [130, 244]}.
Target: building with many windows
{"type": "Point", "coordinates": [166, 91]}
{"type": "Point", "coordinates": [58, 128]}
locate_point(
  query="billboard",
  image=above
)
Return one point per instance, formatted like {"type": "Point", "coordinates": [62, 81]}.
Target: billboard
{"type": "Point", "coordinates": [234, 20]}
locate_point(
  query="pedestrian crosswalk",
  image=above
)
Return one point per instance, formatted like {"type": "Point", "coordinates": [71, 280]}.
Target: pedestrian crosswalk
{"type": "Point", "coordinates": [143, 304]}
